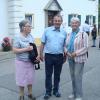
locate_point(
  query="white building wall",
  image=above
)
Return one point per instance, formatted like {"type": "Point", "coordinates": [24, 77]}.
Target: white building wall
{"type": "Point", "coordinates": [81, 7]}
{"type": "Point", "coordinates": [37, 8]}
{"type": "Point", "coordinates": [13, 11]}
{"type": "Point", "coordinates": [3, 19]}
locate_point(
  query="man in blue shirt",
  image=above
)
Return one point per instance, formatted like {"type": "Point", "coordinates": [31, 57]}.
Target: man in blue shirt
{"type": "Point", "coordinates": [52, 43]}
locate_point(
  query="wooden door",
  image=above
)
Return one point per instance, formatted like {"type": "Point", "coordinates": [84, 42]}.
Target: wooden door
{"type": "Point", "coordinates": [51, 14]}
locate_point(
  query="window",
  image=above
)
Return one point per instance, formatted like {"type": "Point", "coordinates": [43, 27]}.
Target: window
{"type": "Point", "coordinates": [30, 18]}
{"type": "Point", "coordinates": [92, 0]}
{"type": "Point", "coordinates": [73, 15]}
{"type": "Point", "coordinates": [91, 19]}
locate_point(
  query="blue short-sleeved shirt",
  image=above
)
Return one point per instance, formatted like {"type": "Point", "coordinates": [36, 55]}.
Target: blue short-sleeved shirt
{"type": "Point", "coordinates": [22, 42]}
{"type": "Point", "coordinates": [54, 40]}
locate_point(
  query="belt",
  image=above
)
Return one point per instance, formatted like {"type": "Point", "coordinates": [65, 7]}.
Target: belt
{"type": "Point", "coordinates": [54, 54]}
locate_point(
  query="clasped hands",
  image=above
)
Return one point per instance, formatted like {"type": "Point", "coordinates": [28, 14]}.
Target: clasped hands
{"type": "Point", "coordinates": [72, 55]}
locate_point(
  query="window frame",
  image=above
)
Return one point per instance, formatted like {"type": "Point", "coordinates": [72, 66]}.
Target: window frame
{"type": "Point", "coordinates": [91, 19]}
{"type": "Point", "coordinates": [30, 17]}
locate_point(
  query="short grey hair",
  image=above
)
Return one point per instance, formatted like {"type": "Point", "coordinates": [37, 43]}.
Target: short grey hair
{"type": "Point", "coordinates": [75, 19]}
{"type": "Point", "coordinates": [22, 24]}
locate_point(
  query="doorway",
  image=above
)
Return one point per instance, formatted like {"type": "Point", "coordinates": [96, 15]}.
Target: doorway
{"type": "Point", "coordinates": [51, 9]}
{"type": "Point", "coordinates": [50, 15]}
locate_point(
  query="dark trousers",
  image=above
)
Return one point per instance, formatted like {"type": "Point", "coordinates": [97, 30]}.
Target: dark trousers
{"type": "Point", "coordinates": [53, 62]}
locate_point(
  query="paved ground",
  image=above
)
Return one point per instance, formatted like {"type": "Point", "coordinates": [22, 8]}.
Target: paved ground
{"type": "Point", "coordinates": [91, 79]}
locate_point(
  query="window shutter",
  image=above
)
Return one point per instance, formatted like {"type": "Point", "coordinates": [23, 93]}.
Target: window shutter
{"type": "Point", "coordinates": [94, 19]}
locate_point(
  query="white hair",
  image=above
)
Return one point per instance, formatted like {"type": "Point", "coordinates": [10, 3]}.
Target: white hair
{"type": "Point", "coordinates": [75, 19]}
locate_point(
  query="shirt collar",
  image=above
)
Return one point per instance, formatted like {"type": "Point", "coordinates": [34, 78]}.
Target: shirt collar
{"type": "Point", "coordinates": [76, 31]}
{"type": "Point", "coordinates": [56, 29]}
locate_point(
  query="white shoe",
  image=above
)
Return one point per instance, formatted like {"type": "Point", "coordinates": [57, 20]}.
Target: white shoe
{"type": "Point", "coordinates": [78, 98]}
{"type": "Point", "coordinates": [71, 96]}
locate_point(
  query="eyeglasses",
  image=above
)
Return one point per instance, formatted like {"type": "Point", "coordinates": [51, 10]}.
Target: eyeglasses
{"type": "Point", "coordinates": [28, 26]}
{"type": "Point", "coordinates": [57, 21]}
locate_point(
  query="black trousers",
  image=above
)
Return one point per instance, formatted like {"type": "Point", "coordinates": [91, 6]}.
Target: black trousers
{"type": "Point", "coordinates": [53, 63]}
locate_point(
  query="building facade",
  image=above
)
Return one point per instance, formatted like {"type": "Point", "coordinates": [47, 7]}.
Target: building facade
{"type": "Point", "coordinates": [41, 12]}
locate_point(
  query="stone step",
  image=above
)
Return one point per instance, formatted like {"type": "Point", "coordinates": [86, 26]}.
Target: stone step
{"type": "Point", "coordinates": [6, 55]}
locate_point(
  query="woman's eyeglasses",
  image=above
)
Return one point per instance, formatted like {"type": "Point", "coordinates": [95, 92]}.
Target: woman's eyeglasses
{"type": "Point", "coordinates": [28, 26]}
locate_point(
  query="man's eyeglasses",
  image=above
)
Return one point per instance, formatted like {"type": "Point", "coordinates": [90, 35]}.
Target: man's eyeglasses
{"type": "Point", "coordinates": [57, 21]}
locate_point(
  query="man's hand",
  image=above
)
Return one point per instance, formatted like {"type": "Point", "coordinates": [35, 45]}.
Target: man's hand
{"type": "Point", "coordinates": [73, 54]}
{"type": "Point", "coordinates": [41, 57]}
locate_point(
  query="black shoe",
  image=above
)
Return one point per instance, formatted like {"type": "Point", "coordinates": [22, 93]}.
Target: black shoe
{"type": "Point", "coordinates": [21, 98]}
{"type": "Point", "coordinates": [57, 94]}
{"type": "Point", "coordinates": [47, 96]}
{"type": "Point", "coordinates": [31, 97]}
{"type": "Point", "coordinates": [93, 46]}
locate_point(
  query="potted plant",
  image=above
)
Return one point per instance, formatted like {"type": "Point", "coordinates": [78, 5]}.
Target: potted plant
{"type": "Point", "coordinates": [6, 45]}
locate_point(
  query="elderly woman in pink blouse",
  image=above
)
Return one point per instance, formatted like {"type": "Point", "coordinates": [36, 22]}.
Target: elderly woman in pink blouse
{"type": "Point", "coordinates": [24, 68]}
{"type": "Point", "coordinates": [77, 47]}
